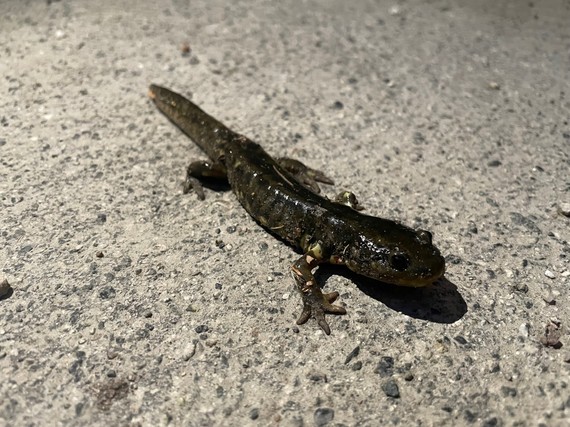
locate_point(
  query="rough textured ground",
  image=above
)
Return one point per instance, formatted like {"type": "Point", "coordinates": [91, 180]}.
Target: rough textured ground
{"type": "Point", "coordinates": [130, 303]}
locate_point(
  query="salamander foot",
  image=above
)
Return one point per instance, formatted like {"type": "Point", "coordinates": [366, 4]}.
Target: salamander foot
{"type": "Point", "coordinates": [306, 176]}
{"type": "Point", "coordinates": [316, 304]}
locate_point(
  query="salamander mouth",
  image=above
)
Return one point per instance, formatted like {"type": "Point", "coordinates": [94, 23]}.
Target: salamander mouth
{"type": "Point", "coordinates": [425, 276]}
{"type": "Point", "coordinates": [416, 276]}
{"type": "Point", "coordinates": [419, 276]}
{"type": "Point", "coordinates": [418, 282]}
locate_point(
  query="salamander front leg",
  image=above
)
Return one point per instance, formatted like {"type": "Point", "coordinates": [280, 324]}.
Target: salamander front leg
{"type": "Point", "coordinates": [199, 171]}
{"type": "Point", "coordinates": [305, 175]}
{"type": "Point", "coordinates": [315, 303]}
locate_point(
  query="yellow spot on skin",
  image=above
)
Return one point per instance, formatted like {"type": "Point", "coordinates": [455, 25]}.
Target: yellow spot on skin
{"type": "Point", "coordinates": [335, 259]}
{"type": "Point", "coordinates": [316, 250]}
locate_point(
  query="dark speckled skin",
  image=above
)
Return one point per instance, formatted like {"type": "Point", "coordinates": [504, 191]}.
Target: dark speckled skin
{"type": "Point", "coordinates": [325, 230]}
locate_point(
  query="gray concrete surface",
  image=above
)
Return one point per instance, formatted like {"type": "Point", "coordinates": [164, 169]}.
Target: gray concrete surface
{"type": "Point", "coordinates": [133, 304]}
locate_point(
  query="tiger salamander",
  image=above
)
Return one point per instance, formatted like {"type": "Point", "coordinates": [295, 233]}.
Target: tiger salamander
{"type": "Point", "coordinates": [282, 196]}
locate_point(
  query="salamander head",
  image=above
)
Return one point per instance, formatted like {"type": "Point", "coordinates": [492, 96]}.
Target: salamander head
{"type": "Point", "coordinates": [396, 254]}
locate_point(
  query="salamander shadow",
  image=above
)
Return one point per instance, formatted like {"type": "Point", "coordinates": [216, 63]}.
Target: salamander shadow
{"type": "Point", "coordinates": [440, 302]}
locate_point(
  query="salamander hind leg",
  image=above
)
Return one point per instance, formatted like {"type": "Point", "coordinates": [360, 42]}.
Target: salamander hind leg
{"type": "Point", "coordinates": [203, 170]}
{"type": "Point", "coordinates": [315, 303]}
{"type": "Point", "coordinates": [305, 175]}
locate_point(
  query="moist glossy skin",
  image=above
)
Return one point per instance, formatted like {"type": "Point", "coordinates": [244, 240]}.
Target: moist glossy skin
{"type": "Point", "coordinates": [279, 200]}
{"type": "Point", "coordinates": [363, 243]}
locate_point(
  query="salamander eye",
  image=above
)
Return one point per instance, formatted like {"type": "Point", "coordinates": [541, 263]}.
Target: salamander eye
{"type": "Point", "coordinates": [425, 236]}
{"type": "Point", "coordinates": [399, 262]}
